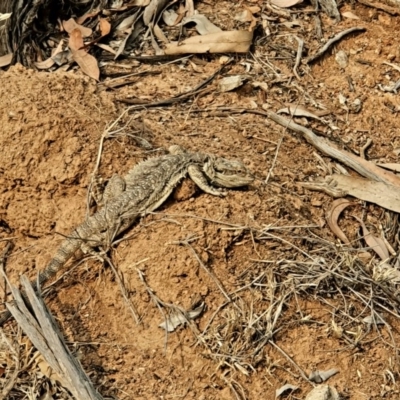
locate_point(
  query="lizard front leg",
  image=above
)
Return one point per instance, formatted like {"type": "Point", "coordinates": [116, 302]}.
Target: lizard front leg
{"type": "Point", "coordinates": [200, 180]}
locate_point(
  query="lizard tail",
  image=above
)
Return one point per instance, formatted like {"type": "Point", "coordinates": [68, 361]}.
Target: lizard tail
{"type": "Point", "coordinates": [64, 253]}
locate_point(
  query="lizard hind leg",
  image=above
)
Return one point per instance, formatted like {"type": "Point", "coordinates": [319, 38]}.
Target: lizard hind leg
{"type": "Point", "coordinates": [102, 194]}
{"type": "Point", "coordinates": [114, 188]}
{"type": "Point", "coordinates": [200, 180]}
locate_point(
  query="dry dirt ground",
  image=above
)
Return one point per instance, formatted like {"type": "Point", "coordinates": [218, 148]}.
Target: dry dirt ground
{"type": "Point", "coordinates": [51, 125]}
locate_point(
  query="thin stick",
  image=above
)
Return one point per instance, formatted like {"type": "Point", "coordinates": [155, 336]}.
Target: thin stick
{"type": "Point", "coordinates": [123, 291]}
{"type": "Point", "coordinates": [298, 55]}
{"type": "Point", "coordinates": [212, 276]}
{"type": "Point", "coordinates": [198, 90]}
{"type": "Point", "coordinates": [303, 375]}
{"type": "Point", "coordinates": [157, 301]}
{"type": "Point", "coordinates": [104, 136]}
{"type": "Point", "coordinates": [274, 160]}
{"type": "Point", "coordinates": [3, 258]}
{"type": "Point", "coordinates": [365, 147]}
{"type": "Point", "coordinates": [335, 39]}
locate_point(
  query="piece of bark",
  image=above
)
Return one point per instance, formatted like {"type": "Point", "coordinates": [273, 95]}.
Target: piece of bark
{"type": "Point", "coordinates": [220, 42]}
{"type": "Point", "coordinates": [383, 194]}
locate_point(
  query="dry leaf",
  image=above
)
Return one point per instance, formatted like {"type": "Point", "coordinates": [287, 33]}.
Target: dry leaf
{"type": "Point", "coordinates": [172, 321]}
{"type": "Point", "coordinates": [247, 16]}
{"type": "Point", "coordinates": [178, 317]}
{"type": "Point", "coordinates": [322, 376]}
{"type": "Point", "coordinates": [254, 20]}
{"type": "Point", "coordinates": [6, 59]}
{"type": "Point", "coordinates": [59, 48]}
{"type": "Point", "coordinates": [291, 24]}
{"type": "Point", "coordinates": [105, 27]}
{"type": "Point", "coordinates": [189, 8]}
{"type": "Point", "coordinates": [285, 3]}
{"type": "Point", "coordinates": [374, 319]}
{"type": "Point", "coordinates": [75, 40]}
{"type": "Point", "coordinates": [106, 47]}
{"type": "Point", "coordinates": [170, 17]}
{"type": "Point", "coordinates": [254, 9]}
{"type": "Point", "coordinates": [46, 64]}
{"type": "Point", "coordinates": [63, 57]}
{"type": "Point", "coordinates": [152, 10]}
{"type": "Point", "coordinates": [126, 23]}
{"type": "Point", "coordinates": [385, 195]}
{"type": "Point", "coordinates": [5, 16]}
{"type": "Point", "coordinates": [195, 67]}
{"type": "Point", "coordinates": [221, 42]}
{"type": "Point", "coordinates": [154, 42]}
{"type": "Point", "coordinates": [285, 388]}
{"type": "Point", "coordinates": [71, 25]}
{"type": "Point", "coordinates": [80, 20]}
{"type": "Point", "coordinates": [140, 3]}
{"type": "Point", "coordinates": [87, 63]}
{"type": "Point", "coordinates": [47, 371]}
{"type": "Point", "coordinates": [262, 85]}
{"type": "Point", "coordinates": [375, 243]}
{"type": "Point", "coordinates": [121, 47]}
{"type": "Point", "coordinates": [159, 34]}
{"type": "Point", "coordinates": [203, 25]}
{"type": "Point", "coordinates": [332, 216]}
{"type": "Point", "coordinates": [390, 166]}
{"type": "Point", "coordinates": [231, 82]}
{"type": "Point", "coordinates": [181, 13]}
{"type": "Point", "coordinates": [244, 16]}
{"type": "Point", "coordinates": [349, 14]}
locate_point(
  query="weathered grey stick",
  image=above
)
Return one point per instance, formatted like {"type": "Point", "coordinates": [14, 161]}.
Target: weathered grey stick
{"type": "Point", "coordinates": [358, 164]}
{"type": "Point", "coordinates": [46, 337]}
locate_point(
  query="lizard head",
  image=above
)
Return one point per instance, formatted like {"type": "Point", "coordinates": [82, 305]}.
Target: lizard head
{"type": "Point", "coordinates": [227, 173]}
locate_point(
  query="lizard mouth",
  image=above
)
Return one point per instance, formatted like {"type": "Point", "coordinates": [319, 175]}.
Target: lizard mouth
{"type": "Point", "coordinates": [227, 173]}
{"type": "Point", "coordinates": [226, 179]}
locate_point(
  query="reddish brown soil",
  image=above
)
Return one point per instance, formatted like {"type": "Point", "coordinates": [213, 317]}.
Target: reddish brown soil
{"type": "Point", "coordinates": [51, 125]}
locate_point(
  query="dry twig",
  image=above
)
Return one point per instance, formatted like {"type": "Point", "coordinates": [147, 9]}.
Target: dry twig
{"type": "Point", "coordinates": [335, 39]}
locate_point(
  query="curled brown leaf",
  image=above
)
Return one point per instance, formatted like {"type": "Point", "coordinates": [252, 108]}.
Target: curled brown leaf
{"type": "Point", "coordinates": [332, 216]}
{"type": "Point", "coordinates": [6, 59]}
{"type": "Point", "coordinates": [374, 242]}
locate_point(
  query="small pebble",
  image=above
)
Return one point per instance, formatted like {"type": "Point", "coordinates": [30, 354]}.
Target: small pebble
{"type": "Point", "coordinates": [342, 59]}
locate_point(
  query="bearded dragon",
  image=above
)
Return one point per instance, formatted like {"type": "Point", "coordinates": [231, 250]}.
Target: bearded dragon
{"type": "Point", "coordinates": [145, 188]}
